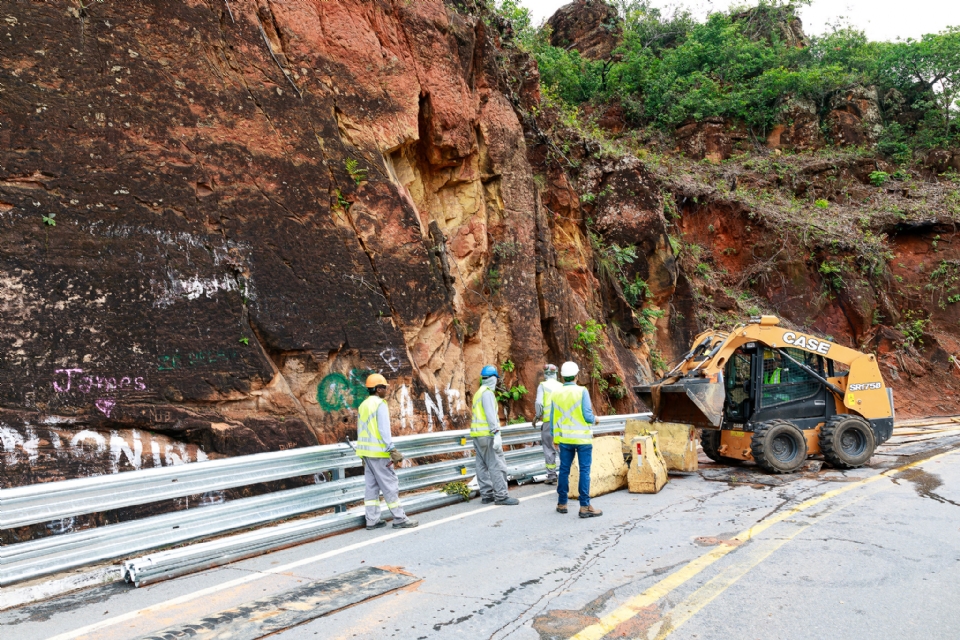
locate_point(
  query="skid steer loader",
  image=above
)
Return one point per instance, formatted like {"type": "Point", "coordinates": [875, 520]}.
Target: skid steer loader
{"type": "Point", "coordinates": [775, 396]}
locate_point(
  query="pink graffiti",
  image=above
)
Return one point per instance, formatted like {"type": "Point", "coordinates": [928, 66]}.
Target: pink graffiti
{"type": "Point", "coordinates": [86, 384]}
{"type": "Point", "coordinates": [69, 373]}
{"type": "Point", "coordinates": [105, 405]}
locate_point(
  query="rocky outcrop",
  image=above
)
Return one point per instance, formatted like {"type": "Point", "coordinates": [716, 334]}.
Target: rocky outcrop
{"type": "Point", "coordinates": [217, 219]}
{"type": "Point", "coordinates": [711, 138]}
{"type": "Point", "coordinates": [855, 117]}
{"type": "Point", "coordinates": [592, 27]}
{"type": "Point", "coordinates": [773, 23]}
{"type": "Point", "coordinates": [800, 128]}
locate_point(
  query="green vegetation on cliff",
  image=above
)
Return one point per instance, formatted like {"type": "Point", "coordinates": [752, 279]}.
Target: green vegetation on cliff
{"type": "Point", "coordinates": [751, 66]}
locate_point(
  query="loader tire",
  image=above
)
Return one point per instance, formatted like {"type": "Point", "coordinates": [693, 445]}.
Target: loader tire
{"type": "Point", "coordinates": [847, 441]}
{"type": "Point", "coordinates": [778, 446]}
{"type": "Point", "coordinates": [710, 441]}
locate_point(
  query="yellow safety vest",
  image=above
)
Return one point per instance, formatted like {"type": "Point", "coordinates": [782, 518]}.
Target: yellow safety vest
{"type": "Point", "coordinates": [549, 386]}
{"type": "Point", "coordinates": [369, 442]}
{"type": "Point", "coordinates": [570, 426]}
{"type": "Point", "coordinates": [479, 426]}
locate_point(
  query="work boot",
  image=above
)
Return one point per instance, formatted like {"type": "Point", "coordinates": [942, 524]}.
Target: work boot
{"type": "Point", "coordinates": [550, 481]}
{"type": "Point", "coordinates": [561, 508]}
{"type": "Point", "coordinates": [486, 500]}
{"type": "Point", "coordinates": [406, 524]}
{"type": "Point", "coordinates": [590, 512]}
{"type": "Point", "coordinates": [379, 525]}
{"type": "Point", "coordinates": [507, 501]}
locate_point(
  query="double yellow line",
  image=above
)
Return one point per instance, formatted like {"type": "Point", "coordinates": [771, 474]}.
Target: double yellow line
{"type": "Point", "coordinates": [652, 595]}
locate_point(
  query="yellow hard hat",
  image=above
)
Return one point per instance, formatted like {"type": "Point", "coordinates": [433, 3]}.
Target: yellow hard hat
{"type": "Point", "coordinates": [374, 380]}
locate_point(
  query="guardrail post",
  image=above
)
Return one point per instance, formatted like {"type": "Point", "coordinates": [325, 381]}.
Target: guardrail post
{"type": "Point", "coordinates": [337, 474]}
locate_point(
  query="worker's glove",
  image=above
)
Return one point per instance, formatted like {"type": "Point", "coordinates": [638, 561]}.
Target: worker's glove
{"type": "Point", "coordinates": [498, 441]}
{"type": "Point", "coordinates": [396, 456]}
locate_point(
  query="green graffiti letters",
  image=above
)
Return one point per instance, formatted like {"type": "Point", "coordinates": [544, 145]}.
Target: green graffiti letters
{"type": "Point", "coordinates": [337, 392]}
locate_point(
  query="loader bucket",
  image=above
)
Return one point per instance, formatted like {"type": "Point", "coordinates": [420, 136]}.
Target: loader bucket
{"type": "Point", "coordinates": [698, 402]}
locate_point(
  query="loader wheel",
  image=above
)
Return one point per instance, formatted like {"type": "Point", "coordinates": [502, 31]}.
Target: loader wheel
{"type": "Point", "coordinates": [710, 441]}
{"type": "Point", "coordinates": [847, 441]}
{"type": "Point", "coordinates": [778, 446]}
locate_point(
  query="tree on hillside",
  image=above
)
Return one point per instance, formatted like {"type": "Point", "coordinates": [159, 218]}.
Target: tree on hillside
{"type": "Point", "coordinates": [933, 62]}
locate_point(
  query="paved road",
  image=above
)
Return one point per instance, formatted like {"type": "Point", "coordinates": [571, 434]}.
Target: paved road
{"type": "Point", "coordinates": [830, 555]}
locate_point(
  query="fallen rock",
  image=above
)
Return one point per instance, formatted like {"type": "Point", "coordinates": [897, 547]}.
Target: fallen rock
{"type": "Point", "coordinates": [677, 442]}
{"type": "Point", "coordinates": [608, 471]}
{"type": "Point", "coordinates": [648, 471]}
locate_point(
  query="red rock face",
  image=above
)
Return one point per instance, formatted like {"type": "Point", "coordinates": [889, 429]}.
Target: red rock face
{"type": "Point", "coordinates": [252, 206]}
{"type": "Point", "coordinates": [592, 27]}
{"type": "Point", "coordinates": [712, 139]}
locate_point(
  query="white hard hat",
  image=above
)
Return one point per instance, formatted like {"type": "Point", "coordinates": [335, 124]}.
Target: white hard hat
{"type": "Point", "coordinates": [569, 369]}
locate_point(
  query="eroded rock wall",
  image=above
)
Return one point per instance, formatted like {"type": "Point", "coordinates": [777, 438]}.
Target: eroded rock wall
{"type": "Point", "coordinates": [218, 217]}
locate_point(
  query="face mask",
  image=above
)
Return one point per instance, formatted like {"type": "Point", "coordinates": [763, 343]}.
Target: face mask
{"type": "Point", "coordinates": [490, 382]}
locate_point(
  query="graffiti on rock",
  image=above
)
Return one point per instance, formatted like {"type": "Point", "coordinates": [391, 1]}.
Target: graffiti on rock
{"type": "Point", "coordinates": [69, 380]}
{"type": "Point", "coordinates": [337, 392]}
{"type": "Point", "coordinates": [87, 443]}
{"type": "Point", "coordinates": [173, 361]}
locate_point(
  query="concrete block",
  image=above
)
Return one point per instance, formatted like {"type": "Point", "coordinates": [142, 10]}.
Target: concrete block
{"type": "Point", "coordinates": [677, 442]}
{"type": "Point", "coordinates": [608, 471]}
{"type": "Point", "coordinates": [648, 471]}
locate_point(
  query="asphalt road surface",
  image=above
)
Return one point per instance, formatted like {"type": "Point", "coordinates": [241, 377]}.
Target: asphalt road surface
{"type": "Point", "coordinates": [870, 553]}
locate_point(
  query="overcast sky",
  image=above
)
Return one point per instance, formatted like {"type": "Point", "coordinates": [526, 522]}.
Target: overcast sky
{"type": "Point", "coordinates": [880, 19]}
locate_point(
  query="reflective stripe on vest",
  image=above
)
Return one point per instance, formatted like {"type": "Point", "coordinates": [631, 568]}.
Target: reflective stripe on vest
{"type": "Point", "coordinates": [369, 442]}
{"type": "Point", "coordinates": [549, 386]}
{"type": "Point", "coordinates": [570, 427]}
{"type": "Point", "coordinates": [772, 377]}
{"type": "Point", "coordinates": [479, 426]}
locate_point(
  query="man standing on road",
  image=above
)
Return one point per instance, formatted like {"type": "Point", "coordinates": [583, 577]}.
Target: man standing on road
{"type": "Point", "coordinates": [544, 407]}
{"type": "Point", "coordinates": [572, 417]}
{"type": "Point", "coordinates": [375, 447]}
{"type": "Point", "coordinates": [487, 442]}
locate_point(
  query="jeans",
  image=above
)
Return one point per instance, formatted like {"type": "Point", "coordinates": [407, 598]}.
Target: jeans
{"type": "Point", "coordinates": [584, 454]}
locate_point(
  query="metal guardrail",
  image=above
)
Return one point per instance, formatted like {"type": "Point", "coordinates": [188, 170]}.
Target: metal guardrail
{"type": "Point", "coordinates": [44, 502]}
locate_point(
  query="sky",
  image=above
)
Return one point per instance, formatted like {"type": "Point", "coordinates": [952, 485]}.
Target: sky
{"type": "Point", "coordinates": [880, 19]}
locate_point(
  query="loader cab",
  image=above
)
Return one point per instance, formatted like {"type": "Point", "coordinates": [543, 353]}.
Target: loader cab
{"type": "Point", "coordinates": [762, 385]}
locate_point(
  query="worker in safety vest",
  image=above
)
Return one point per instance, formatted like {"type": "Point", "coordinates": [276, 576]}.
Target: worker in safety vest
{"type": "Point", "coordinates": [487, 442]}
{"type": "Point", "coordinates": [543, 407]}
{"type": "Point", "coordinates": [376, 448]}
{"type": "Point", "coordinates": [572, 418]}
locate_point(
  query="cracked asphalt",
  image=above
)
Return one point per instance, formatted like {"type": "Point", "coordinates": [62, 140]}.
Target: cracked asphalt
{"type": "Point", "coordinates": [878, 560]}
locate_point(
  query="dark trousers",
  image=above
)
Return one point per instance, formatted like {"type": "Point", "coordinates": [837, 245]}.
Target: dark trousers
{"type": "Point", "coordinates": [584, 454]}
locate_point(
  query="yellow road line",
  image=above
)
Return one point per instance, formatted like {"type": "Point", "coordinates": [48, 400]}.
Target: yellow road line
{"type": "Point", "coordinates": [634, 606]}
{"type": "Point", "coordinates": [726, 578]}
{"type": "Point", "coordinates": [202, 593]}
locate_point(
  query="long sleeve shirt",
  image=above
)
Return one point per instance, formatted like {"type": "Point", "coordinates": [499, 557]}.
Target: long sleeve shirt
{"type": "Point", "coordinates": [489, 402]}
{"type": "Point", "coordinates": [383, 423]}
{"type": "Point", "coordinates": [585, 406]}
{"type": "Point", "coordinates": [538, 403]}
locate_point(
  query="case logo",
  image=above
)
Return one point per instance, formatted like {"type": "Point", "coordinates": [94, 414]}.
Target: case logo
{"type": "Point", "coordinates": [806, 342]}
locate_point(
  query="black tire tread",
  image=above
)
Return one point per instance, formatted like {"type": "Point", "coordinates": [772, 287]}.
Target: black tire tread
{"type": "Point", "coordinates": [757, 445]}
{"type": "Point", "coordinates": [828, 440]}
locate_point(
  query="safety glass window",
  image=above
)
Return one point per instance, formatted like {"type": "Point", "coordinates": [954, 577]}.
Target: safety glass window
{"type": "Point", "coordinates": [783, 381]}
{"type": "Point", "coordinates": [737, 380]}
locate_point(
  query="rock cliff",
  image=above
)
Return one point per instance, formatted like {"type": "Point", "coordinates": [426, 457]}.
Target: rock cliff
{"type": "Point", "coordinates": [217, 217]}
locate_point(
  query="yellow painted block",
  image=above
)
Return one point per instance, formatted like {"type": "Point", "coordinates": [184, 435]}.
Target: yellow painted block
{"type": "Point", "coordinates": [608, 470]}
{"type": "Point", "coordinates": [676, 441]}
{"type": "Point", "coordinates": [648, 471]}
